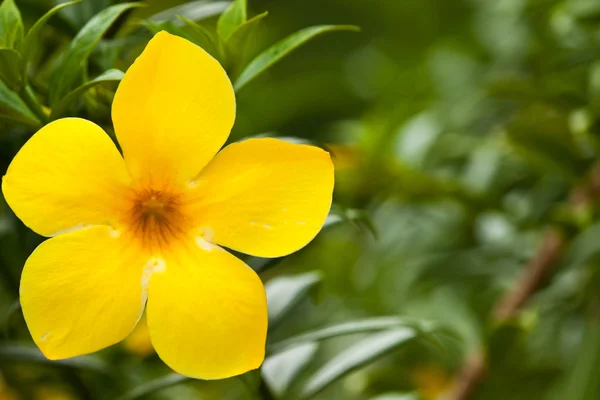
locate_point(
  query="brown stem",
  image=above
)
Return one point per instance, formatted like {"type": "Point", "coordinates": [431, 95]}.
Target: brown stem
{"type": "Point", "coordinates": [533, 277]}
{"type": "Point", "coordinates": [536, 271]}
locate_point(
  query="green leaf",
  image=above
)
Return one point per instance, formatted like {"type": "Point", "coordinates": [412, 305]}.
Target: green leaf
{"type": "Point", "coordinates": [233, 17]}
{"type": "Point", "coordinates": [194, 11]}
{"type": "Point", "coordinates": [397, 396]}
{"type": "Point", "coordinates": [282, 48]}
{"type": "Point", "coordinates": [582, 383]}
{"type": "Point", "coordinates": [345, 328]}
{"type": "Point", "coordinates": [112, 75]}
{"type": "Point", "coordinates": [33, 37]}
{"type": "Point", "coordinates": [244, 31]}
{"type": "Point", "coordinates": [238, 38]}
{"type": "Point", "coordinates": [356, 356]}
{"type": "Point", "coordinates": [540, 133]}
{"type": "Point", "coordinates": [237, 43]}
{"type": "Point", "coordinates": [168, 26]}
{"type": "Point", "coordinates": [359, 218]}
{"type": "Point", "coordinates": [17, 352]}
{"type": "Point", "coordinates": [154, 385]}
{"type": "Point", "coordinates": [283, 293]}
{"type": "Point", "coordinates": [584, 247]}
{"type": "Point", "coordinates": [11, 26]}
{"type": "Point", "coordinates": [69, 71]}
{"type": "Point", "coordinates": [201, 36]}
{"type": "Point", "coordinates": [10, 68]}
{"type": "Point", "coordinates": [280, 370]}
{"type": "Point", "coordinates": [12, 107]}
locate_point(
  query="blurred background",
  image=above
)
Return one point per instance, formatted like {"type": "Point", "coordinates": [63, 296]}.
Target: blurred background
{"type": "Point", "coordinates": [460, 259]}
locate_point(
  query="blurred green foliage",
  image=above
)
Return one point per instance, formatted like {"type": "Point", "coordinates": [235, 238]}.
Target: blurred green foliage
{"type": "Point", "coordinates": [461, 131]}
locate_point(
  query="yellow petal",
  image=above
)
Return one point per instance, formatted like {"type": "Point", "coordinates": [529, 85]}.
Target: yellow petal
{"type": "Point", "coordinates": [173, 110]}
{"type": "Point", "coordinates": [207, 313]}
{"type": "Point", "coordinates": [66, 176]}
{"type": "Point", "coordinates": [82, 291]}
{"type": "Point", "coordinates": [264, 197]}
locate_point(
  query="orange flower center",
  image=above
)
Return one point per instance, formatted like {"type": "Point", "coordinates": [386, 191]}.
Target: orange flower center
{"type": "Point", "coordinates": [156, 217]}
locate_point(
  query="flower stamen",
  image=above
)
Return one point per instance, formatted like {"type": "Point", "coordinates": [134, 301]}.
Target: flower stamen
{"type": "Point", "coordinates": [155, 217]}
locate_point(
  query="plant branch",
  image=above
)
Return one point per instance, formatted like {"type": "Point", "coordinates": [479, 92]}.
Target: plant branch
{"type": "Point", "coordinates": [536, 272]}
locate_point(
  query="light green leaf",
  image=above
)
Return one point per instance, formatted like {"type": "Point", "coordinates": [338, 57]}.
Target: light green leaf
{"type": "Point", "coordinates": [233, 17]}
{"type": "Point", "coordinates": [283, 293]}
{"type": "Point", "coordinates": [194, 11]}
{"type": "Point", "coordinates": [69, 72]}
{"type": "Point", "coordinates": [154, 385]}
{"type": "Point", "coordinates": [282, 48]}
{"type": "Point", "coordinates": [10, 68]}
{"type": "Point", "coordinates": [356, 356]}
{"type": "Point", "coordinates": [33, 37]}
{"type": "Point", "coordinates": [12, 107]}
{"type": "Point", "coordinates": [112, 75]}
{"type": "Point", "coordinates": [11, 25]}
{"type": "Point", "coordinates": [345, 328]}
{"type": "Point", "coordinates": [201, 36]}
{"type": "Point", "coordinates": [16, 352]}
{"type": "Point", "coordinates": [280, 370]}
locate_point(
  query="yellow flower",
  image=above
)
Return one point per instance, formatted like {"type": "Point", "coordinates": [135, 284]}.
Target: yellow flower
{"type": "Point", "coordinates": [150, 225]}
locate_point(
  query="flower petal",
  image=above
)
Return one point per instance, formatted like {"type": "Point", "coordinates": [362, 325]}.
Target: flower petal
{"type": "Point", "coordinates": [67, 175]}
{"type": "Point", "coordinates": [82, 291]}
{"type": "Point", "coordinates": [263, 197]}
{"type": "Point", "coordinates": [207, 313]}
{"type": "Point", "coordinates": [173, 110]}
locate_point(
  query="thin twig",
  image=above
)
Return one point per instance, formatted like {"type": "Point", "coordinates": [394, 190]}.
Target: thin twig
{"type": "Point", "coordinates": [536, 272]}
{"type": "Point", "coordinates": [534, 275]}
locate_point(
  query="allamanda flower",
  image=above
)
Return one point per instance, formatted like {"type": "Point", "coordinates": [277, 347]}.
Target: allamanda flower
{"type": "Point", "coordinates": [145, 230]}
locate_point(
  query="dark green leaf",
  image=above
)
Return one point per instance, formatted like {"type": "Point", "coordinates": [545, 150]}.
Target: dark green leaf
{"type": "Point", "coordinates": [345, 328]}
{"type": "Point", "coordinates": [16, 352]}
{"type": "Point", "coordinates": [201, 36]}
{"type": "Point", "coordinates": [154, 385]}
{"type": "Point", "coordinates": [397, 396]}
{"type": "Point", "coordinates": [583, 247]}
{"type": "Point", "coordinates": [8, 317]}
{"type": "Point", "coordinates": [12, 107]}
{"type": "Point", "coordinates": [194, 11]}
{"type": "Point", "coordinates": [10, 68]}
{"type": "Point", "coordinates": [283, 293]}
{"type": "Point", "coordinates": [112, 75]}
{"type": "Point", "coordinates": [356, 356]}
{"type": "Point", "coordinates": [233, 17]}
{"type": "Point", "coordinates": [360, 218]}
{"type": "Point", "coordinates": [11, 26]}
{"type": "Point", "coordinates": [33, 37]}
{"type": "Point", "coordinates": [541, 134]}
{"type": "Point", "coordinates": [583, 383]}
{"type": "Point", "coordinates": [168, 26]}
{"type": "Point", "coordinates": [69, 72]}
{"type": "Point", "coordinates": [280, 49]}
